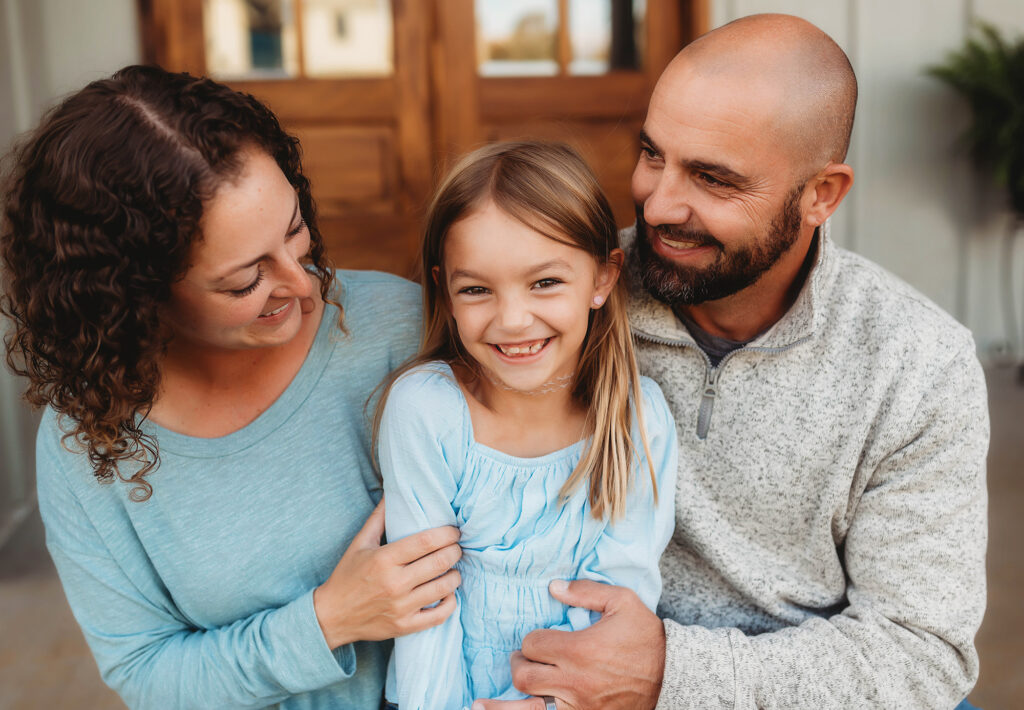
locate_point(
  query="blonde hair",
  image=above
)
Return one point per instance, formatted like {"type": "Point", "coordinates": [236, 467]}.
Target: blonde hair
{"type": "Point", "coordinates": [549, 188]}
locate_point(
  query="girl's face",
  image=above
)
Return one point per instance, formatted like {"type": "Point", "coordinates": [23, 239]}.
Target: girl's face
{"type": "Point", "coordinates": [245, 277]}
{"type": "Point", "coordinates": [521, 300]}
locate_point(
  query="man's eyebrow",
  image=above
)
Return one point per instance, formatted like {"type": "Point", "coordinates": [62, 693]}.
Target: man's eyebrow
{"type": "Point", "coordinates": [644, 138]}
{"type": "Point", "coordinates": [261, 257]}
{"type": "Point", "coordinates": [717, 170]}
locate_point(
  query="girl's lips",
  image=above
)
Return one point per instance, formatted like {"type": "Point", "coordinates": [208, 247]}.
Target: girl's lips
{"type": "Point", "coordinates": [523, 350]}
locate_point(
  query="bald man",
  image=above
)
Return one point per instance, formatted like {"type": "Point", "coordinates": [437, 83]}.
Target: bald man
{"type": "Point", "coordinates": [830, 537]}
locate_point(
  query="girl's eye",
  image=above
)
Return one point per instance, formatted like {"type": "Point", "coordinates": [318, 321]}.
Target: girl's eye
{"type": "Point", "coordinates": [473, 290]}
{"type": "Point", "coordinates": [251, 287]}
{"type": "Point", "coordinates": [547, 283]}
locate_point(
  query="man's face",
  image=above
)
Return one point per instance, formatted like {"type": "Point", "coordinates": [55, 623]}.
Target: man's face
{"type": "Point", "coordinates": [717, 199]}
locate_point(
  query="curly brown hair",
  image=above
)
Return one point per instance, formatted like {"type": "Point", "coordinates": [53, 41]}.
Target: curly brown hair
{"type": "Point", "coordinates": [100, 208]}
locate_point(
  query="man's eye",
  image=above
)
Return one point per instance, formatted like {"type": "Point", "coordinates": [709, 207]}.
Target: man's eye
{"type": "Point", "coordinates": [711, 180]}
{"type": "Point", "coordinates": [649, 152]}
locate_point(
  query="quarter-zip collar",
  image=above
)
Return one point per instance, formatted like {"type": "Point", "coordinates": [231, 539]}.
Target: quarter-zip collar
{"type": "Point", "coordinates": [652, 319]}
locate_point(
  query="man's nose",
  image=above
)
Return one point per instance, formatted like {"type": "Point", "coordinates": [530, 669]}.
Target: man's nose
{"type": "Point", "coordinates": [670, 201]}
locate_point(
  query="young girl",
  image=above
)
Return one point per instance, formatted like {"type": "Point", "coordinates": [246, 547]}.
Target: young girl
{"type": "Point", "coordinates": [518, 423]}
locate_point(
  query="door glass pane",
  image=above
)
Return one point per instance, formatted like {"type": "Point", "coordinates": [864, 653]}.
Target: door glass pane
{"type": "Point", "coordinates": [606, 35]}
{"type": "Point", "coordinates": [250, 39]}
{"type": "Point", "coordinates": [347, 37]}
{"type": "Point", "coordinates": [517, 37]}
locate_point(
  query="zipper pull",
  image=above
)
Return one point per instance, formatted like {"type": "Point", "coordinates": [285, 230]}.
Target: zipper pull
{"type": "Point", "coordinates": [707, 403]}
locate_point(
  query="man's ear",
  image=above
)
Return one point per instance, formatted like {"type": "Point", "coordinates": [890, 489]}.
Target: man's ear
{"type": "Point", "coordinates": [827, 190]}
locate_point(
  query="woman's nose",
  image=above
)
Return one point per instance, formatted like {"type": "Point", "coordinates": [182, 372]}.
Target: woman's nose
{"type": "Point", "coordinates": [295, 280]}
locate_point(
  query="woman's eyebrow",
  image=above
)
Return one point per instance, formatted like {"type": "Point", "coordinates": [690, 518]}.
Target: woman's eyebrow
{"type": "Point", "coordinates": [261, 257]}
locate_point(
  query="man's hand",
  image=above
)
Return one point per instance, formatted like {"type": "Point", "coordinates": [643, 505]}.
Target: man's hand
{"type": "Point", "coordinates": [616, 664]}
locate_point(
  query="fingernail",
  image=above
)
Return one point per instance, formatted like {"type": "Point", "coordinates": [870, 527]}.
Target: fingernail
{"type": "Point", "coordinates": [557, 586]}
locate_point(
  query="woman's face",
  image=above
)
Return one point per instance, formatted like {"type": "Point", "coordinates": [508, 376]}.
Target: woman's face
{"type": "Point", "coordinates": [245, 276]}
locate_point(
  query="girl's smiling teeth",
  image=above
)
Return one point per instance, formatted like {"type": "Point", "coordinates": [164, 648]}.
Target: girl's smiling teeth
{"type": "Point", "coordinates": [522, 349]}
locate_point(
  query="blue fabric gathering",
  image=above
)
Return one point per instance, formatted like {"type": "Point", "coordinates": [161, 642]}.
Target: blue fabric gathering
{"type": "Point", "coordinates": [517, 536]}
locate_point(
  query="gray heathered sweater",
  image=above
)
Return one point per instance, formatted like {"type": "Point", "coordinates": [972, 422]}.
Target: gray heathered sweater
{"type": "Point", "coordinates": [830, 535]}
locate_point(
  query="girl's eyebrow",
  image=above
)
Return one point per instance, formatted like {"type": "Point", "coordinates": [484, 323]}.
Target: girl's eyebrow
{"type": "Point", "coordinates": [546, 266]}
{"type": "Point", "coordinates": [261, 257]}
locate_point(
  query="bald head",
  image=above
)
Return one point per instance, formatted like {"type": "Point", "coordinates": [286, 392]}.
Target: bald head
{"type": "Point", "coordinates": [800, 78]}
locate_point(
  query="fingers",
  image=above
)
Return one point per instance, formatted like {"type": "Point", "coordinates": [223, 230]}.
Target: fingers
{"type": "Point", "coordinates": [432, 590]}
{"type": "Point", "coordinates": [412, 548]}
{"type": "Point", "coordinates": [433, 565]}
{"type": "Point", "coordinates": [587, 594]}
{"type": "Point", "coordinates": [526, 704]}
{"type": "Point", "coordinates": [372, 531]}
{"type": "Point", "coordinates": [427, 618]}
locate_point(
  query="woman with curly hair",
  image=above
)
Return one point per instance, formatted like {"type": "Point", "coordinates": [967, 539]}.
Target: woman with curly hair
{"type": "Point", "coordinates": [203, 461]}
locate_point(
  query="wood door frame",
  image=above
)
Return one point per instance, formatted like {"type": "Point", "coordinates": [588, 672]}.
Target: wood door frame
{"type": "Point", "coordinates": [435, 104]}
{"type": "Point", "coordinates": [464, 100]}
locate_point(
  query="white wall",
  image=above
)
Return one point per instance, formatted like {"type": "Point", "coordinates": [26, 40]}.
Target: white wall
{"type": "Point", "coordinates": [47, 48]}
{"type": "Point", "coordinates": [917, 206]}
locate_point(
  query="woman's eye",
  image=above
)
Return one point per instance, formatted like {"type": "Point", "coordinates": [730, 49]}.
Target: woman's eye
{"type": "Point", "coordinates": [299, 228]}
{"type": "Point", "coordinates": [251, 287]}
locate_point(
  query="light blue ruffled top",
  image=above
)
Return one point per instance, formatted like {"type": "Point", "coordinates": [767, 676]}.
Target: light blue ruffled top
{"type": "Point", "coordinates": [516, 536]}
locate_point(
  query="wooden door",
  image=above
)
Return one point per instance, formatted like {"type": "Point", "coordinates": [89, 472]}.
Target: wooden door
{"type": "Point", "coordinates": [375, 145]}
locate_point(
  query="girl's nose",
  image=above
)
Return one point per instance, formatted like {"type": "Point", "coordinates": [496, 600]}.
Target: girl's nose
{"type": "Point", "coordinates": [514, 314]}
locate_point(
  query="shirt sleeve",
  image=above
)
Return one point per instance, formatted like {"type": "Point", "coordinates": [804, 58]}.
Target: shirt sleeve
{"type": "Point", "coordinates": [421, 464]}
{"type": "Point", "coordinates": [145, 649]}
{"type": "Point", "coordinates": [628, 551]}
{"type": "Point", "coordinates": [915, 562]}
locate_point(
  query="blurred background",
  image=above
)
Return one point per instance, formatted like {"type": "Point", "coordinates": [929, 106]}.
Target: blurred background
{"type": "Point", "coordinates": [384, 93]}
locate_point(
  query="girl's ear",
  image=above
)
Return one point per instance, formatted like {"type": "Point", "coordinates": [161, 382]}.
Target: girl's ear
{"type": "Point", "coordinates": [444, 298]}
{"type": "Point", "coordinates": [607, 276]}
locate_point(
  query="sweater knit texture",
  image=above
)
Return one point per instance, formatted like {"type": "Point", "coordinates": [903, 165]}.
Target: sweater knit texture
{"type": "Point", "coordinates": [829, 549]}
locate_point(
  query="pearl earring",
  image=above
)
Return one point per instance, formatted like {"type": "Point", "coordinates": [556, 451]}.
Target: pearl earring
{"type": "Point", "coordinates": [598, 301]}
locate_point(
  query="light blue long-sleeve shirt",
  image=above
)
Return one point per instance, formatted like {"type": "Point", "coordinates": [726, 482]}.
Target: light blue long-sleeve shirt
{"type": "Point", "coordinates": [516, 536]}
{"type": "Point", "coordinates": [202, 596]}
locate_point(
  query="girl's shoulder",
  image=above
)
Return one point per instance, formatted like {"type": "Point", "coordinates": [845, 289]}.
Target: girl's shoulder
{"type": "Point", "coordinates": [427, 397]}
{"type": "Point", "coordinates": [433, 381]}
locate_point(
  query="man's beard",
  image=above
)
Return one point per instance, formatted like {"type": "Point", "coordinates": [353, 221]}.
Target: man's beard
{"type": "Point", "coordinates": [730, 273]}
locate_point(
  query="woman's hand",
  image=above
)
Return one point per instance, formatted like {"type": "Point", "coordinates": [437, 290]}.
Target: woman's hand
{"type": "Point", "coordinates": [379, 592]}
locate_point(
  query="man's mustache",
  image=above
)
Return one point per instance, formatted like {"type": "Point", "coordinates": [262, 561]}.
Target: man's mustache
{"type": "Point", "coordinates": [679, 233]}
